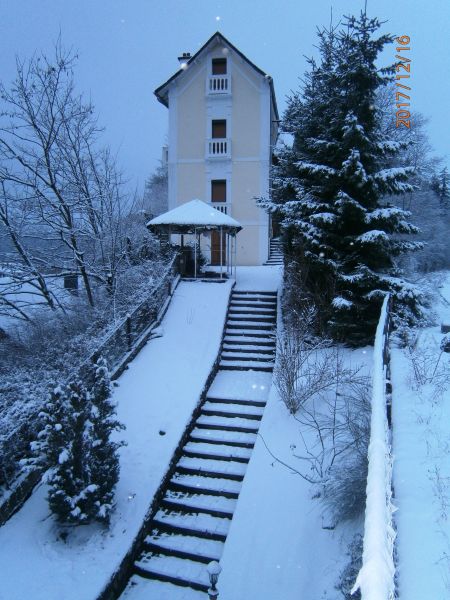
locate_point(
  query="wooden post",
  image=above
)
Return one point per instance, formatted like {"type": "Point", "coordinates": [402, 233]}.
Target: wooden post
{"type": "Point", "coordinates": [128, 332]}
{"type": "Point", "coordinates": [221, 251]}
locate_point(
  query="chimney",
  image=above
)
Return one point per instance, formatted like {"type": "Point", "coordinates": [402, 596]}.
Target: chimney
{"type": "Point", "coordinates": [183, 59]}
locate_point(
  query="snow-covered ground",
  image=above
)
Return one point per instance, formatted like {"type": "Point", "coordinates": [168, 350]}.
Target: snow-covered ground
{"type": "Point", "coordinates": [276, 546]}
{"type": "Point", "coordinates": [421, 445]}
{"type": "Point", "coordinates": [156, 397]}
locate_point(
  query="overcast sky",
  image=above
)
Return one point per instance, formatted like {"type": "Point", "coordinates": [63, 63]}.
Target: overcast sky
{"type": "Point", "coordinates": [127, 48]}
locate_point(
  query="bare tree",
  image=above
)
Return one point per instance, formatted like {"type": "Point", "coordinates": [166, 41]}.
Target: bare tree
{"type": "Point", "coordinates": [57, 181]}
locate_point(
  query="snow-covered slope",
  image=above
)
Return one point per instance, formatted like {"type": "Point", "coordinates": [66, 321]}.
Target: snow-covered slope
{"type": "Point", "coordinates": [156, 397]}
{"type": "Point", "coordinates": [421, 445]}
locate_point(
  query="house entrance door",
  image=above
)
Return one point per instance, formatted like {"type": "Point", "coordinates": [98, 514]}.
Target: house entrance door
{"type": "Point", "coordinates": [215, 248]}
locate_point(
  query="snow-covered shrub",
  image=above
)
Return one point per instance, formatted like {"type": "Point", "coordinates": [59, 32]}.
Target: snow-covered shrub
{"type": "Point", "coordinates": [344, 488]}
{"type": "Point", "coordinates": [103, 457]}
{"type": "Point", "coordinates": [65, 441]}
{"type": "Point", "coordinates": [75, 446]}
{"type": "Point", "coordinates": [349, 573]}
{"type": "Point", "coordinates": [430, 366]}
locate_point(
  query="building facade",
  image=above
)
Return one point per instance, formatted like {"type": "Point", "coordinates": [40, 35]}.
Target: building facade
{"type": "Point", "coordinates": [223, 125]}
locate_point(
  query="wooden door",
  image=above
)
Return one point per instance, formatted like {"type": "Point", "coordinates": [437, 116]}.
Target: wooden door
{"type": "Point", "coordinates": [215, 248]}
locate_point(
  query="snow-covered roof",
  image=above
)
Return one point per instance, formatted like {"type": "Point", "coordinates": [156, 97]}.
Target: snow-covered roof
{"type": "Point", "coordinates": [194, 214]}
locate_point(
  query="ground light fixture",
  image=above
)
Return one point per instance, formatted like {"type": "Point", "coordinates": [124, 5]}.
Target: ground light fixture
{"type": "Point", "coordinates": [214, 570]}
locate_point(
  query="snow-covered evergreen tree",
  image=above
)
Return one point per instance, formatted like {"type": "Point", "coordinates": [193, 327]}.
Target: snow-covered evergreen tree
{"type": "Point", "coordinates": [340, 236]}
{"type": "Point", "coordinates": [68, 478]}
{"type": "Point", "coordinates": [103, 457]}
{"type": "Point", "coordinates": [442, 188]}
{"type": "Point", "coordinates": [75, 446]}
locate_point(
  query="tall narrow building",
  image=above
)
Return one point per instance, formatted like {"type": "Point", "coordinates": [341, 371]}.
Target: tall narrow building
{"type": "Point", "coordinates": [223, 125]}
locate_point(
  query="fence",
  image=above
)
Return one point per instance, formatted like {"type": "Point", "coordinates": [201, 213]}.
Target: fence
{"type": "Point", "coordinates": [376, 577]}
{"type": "Point", "coordinates": [121, 341]}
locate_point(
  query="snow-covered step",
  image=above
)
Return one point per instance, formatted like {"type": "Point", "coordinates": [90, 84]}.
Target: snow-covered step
{"type": "Point", "coordinates": [187, 507]}
{"type": "Point", "coordinates": [174, 570]}
{"type": "Point", "coordinates": [247, 323]}
{"type": "Point", "coordinates": [153, 589]}
{"type": "Point", "coordinates": [224, 437]}
{"type": "Point", "coordinates": [219, 450]}
{"type": "Point", "coordinates": [200, 524]}
{"type": "Point", "coordinates": [234, 337]}
{"type": "Point", "coordinates": [187, 544]}
{"type": "Point", "coordinates": [246, 365]}
{"type": "Point", "coordinates": [251, 318]}
{"type": "Point", "coordinates": [254, 356]}
{"type": "Point", "coordinates": [250, 402]}
{"type": "Point", "coordinates": [211, 485]}
{"type": "Point", "coordinates": [266, 293]}
{"type": "Point", "coordinates": [227, 408]}
{"type": "Point", "coordinates": [236, 346]}
{"type": "Point", "coordinates": [232, 469]}
{"type": "Point", "coordinates": [249, 337]}
{"type": "Point", "coordinates": [252, 310]}
{"type": "Point", "coordinates": [201, 502]}
{"type": "Point", "coordinates": [230, 423]}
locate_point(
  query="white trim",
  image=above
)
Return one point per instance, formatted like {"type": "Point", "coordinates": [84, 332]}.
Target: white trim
{"type": "Point", "coordinates": [172, 163]}
{"type": "Point", "coordinates": [265, 131]}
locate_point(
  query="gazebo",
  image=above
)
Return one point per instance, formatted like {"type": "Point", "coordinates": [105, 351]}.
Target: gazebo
{"type": "Point", "coordinates": [196, 217]}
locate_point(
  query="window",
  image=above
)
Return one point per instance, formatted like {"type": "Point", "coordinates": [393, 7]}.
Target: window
{"type": "Point", "coordinates": [219, 128]}
{"type": "Point", "coordinates": [219, 66]}
{"type": "Point", "coordinates": [218, 190]}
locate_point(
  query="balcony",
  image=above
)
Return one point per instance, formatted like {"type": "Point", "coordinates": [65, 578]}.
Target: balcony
{"type": "Point", "coordinates": [218, 148]}
{"type": "Point", "coordinates": [218, 84]}
{"type": "Point", "coordinates": [223, 207]}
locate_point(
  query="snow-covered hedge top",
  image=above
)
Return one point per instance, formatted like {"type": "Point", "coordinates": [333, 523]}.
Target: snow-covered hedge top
{"type": "Point", "coordinates": [376, 577]}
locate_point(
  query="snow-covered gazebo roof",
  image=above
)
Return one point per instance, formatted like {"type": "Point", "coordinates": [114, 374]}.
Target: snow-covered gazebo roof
{"type": "Point", "coordinates": [193, 216]}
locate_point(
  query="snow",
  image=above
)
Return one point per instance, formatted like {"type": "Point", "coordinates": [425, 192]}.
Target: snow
{"type": "Point", "coordinates": [374, 236]}
{"type": "Point", "coordinates": [156, 397]}
{"type": "Point", "coordinates": [422, 464]}
{"type": "Point", "coordinates": [197, 213]}
{"type": "Point", "coordinates": [276, 546]}
{"type": "Point", "coordinates": [260, 279]}
{"type": "Point", "coordinates": [376, 577]}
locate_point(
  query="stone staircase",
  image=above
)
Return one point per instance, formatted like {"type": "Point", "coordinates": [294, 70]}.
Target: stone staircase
{"type": "Point", "coordinates": [275, 252]}
{"type": "Point", "coordinates": [192, 521]}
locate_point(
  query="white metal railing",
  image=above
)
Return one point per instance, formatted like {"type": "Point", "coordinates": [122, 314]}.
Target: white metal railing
{"type": "Point", "coordinates": [376, 578]}
{"type": "Point", "coordinates": [218, 148]}
{"type": "Point", "coordinates": [218, 84]}
{"type": "Point", "coordinates": [223, 207]}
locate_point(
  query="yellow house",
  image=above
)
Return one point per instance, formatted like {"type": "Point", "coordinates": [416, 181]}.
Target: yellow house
{"type": "Point", "coordinates": [223, 125]}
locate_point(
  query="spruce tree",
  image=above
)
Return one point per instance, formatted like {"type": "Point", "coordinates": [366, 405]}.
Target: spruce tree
{"type": "Point", "coordinates": [103, 457]}
{"type": "Point", "coordinates": [68, 479]}
{"type": "Point", "coordinates": [340, 236]}
{"type": "Point", "coordinates": [75, 446]}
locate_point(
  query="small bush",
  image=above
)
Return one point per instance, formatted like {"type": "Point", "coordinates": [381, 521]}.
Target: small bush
{"type": "Point", "coordinates": [350, 572]}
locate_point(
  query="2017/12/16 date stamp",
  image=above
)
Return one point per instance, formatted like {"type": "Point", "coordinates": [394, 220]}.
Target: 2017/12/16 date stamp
{"type": "Point", "coordinates": [403, 73]}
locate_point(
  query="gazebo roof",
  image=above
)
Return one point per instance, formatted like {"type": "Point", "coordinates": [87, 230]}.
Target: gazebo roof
{"type": "Point", "coordinates": [193, 215]}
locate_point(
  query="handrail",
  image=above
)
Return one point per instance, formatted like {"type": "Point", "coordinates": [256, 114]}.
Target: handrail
{"type": "Point", "coordinates": [376, 578]}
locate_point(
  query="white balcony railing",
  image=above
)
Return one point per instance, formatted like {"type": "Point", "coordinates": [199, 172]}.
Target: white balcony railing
{"type": "Point", "coordinates": [218, 148]}
{"type": "Point", "coordinates": [223, 207]}
{"type": "Point", "coordinates": [218, 84]}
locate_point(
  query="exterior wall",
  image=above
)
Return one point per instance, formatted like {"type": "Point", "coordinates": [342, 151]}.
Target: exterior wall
{"type": "Point", "coordinates": [248, 113]}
